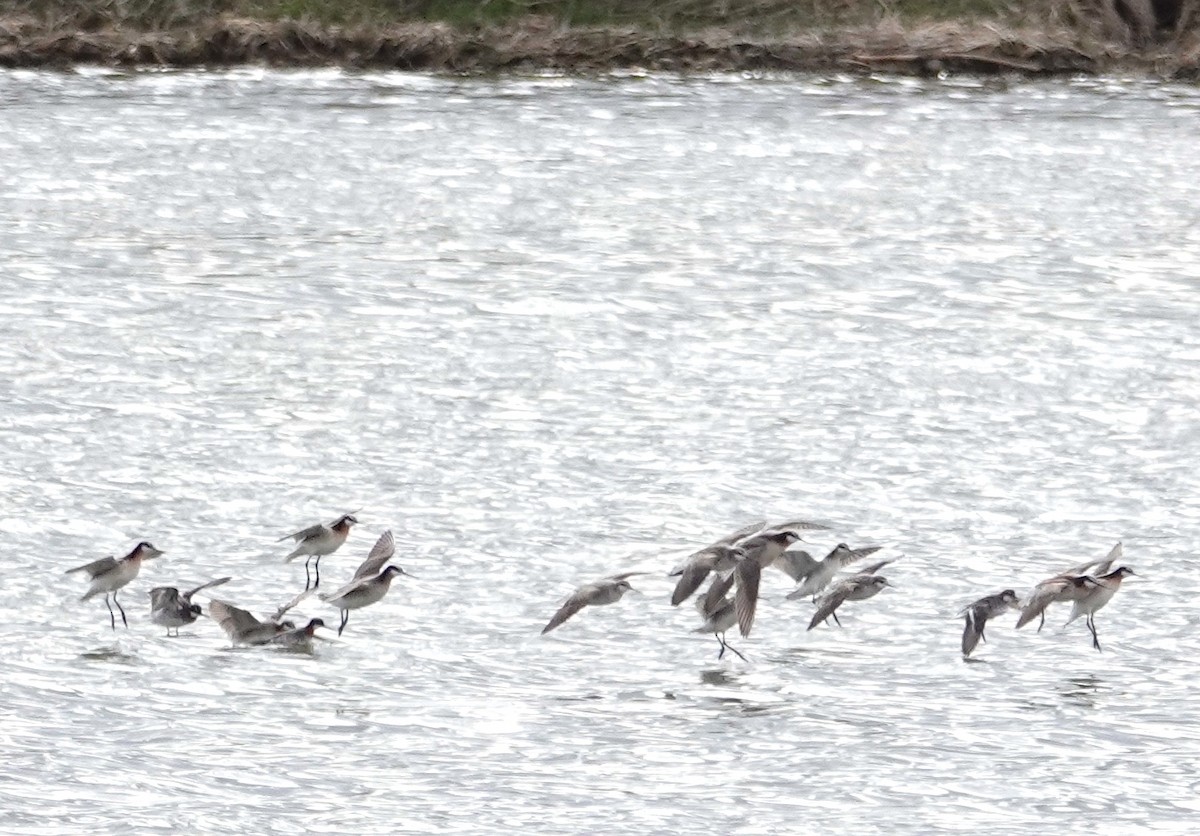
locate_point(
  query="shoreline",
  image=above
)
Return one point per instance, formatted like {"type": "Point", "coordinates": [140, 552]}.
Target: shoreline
{"type": "Point", "coordinates": [539, 44]}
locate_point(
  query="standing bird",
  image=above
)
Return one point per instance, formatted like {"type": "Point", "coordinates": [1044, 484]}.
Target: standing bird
{"type": "Point", "coordinates": [719, 613]}
{"type": "Point", "coordinates": [362, 592]}
{"type": "Point", "coordinates": [596, 594]}
{"type": "Point", "coordinates": [1098, 591]}
{"type": "Point", "coordinates": [978, 613]}
{"type": "Point", "coordinates": [110, 574]}
{"type": "Point", "coordinates": [300, 638]}
{"type": "Point", "coordinates": [1063, 587]}
{"type": "Point", "coordinates": [318, 540]}
{"type": "Point", "coordinates": [171, 609]}
{"type": "Point", "coordinates": [814, 575]}
{"type": "Point", "coordinates": [855, 588]}
{"type": "Point", "coordinates": [243, 628]}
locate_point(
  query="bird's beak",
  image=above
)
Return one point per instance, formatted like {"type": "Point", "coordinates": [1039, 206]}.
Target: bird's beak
{"type": "Point", "coordinates": [409, 574]}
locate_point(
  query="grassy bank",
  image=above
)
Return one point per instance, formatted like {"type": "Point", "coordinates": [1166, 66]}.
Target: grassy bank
{"type": "Point", "coordinates": [1161, 37]}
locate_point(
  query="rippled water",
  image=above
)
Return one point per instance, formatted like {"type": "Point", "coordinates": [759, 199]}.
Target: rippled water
{"type": "Point", "coordinates": [549, 329]}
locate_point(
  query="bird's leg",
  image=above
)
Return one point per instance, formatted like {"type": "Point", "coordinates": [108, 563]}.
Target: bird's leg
{"type": "Point", "coordinates": [345, 618]}
{"type": "Point", "coordinates": [111, 616]}
{"type": "Point", "coordinates": [307, 577]}
{"type": "Point", "coordinates": [721, 641]}
{"type": "Point", "coordinates": [1042, 623]}
{"type": "Point", "coordinates": [835, 618]}
{"type": "Point", "coordinates": [124, 620]}
{"type": "Point", "coordinates": [982, 637]}
{"type": "Point", "coordinates": [317, 572]}
{"type": "Point", "coordinates": [728, 646]}
{"type": "Point", "coordinates": [1092, 626]}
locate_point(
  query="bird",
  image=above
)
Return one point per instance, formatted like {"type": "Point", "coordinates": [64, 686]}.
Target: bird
{"type": "Point", "coordinates": [243, 628]}
{"type": "Point", "coordinates": [1062, 587]}
{"type": "Point", "coordinates": [855, 588]}
{"type": "Point", "coordinates": [317, 541]}
{"type": "Point", "coordinates": [978, 613]}
{"type": "Point", "coordinates": [110, 574]}
{"type": "Point", "coordinates": [171, 608]}
{"type": "Point", "coordinates": [597, 593]}
{"type": "Point", "coordinates": [362, 592]}
{"type": "Point", "coordinates": [381, 553]}
{"type": "Point", "coordinates": [814, 575]}
{"type": "Point", "coordinates": [719, 613]}
{"type": "Point", "coordinates": [761, 549]}
{"type": "Point", "coordinates": [719, 557]}
{"type": "Point", "coordinates": [1098, 591]}
{"type": "Point", "coordinates": [299, 638]}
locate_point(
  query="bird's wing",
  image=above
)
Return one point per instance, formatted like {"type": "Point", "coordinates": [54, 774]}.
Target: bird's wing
{"type": "Point", "coordinates": [1044, 594]}
{"type": "Point", "coordinates": [973, 629]}
{"type": "Point", "coordinates": [797, 565]}
{"type": "Point", "coordinates": [1097, 567]}
{"type": "Point", "coordinates": [96, 567]}
{"type": "Point", "coordinates": [233, 620]}
{"type": "Point", "coordinates": [303, 534]}
{"type": "Point", "coordinates": [748, 573]}
{"type": "Point", "coordinates": [830, 602]}
{"type": "Point", "coordinates": [851, 555]}
{"type": "Point", "coordinates": [800, 525]}
{"type": "Point", "coordinates": [875, 567]}
{"type": "Point", "coordinates": [381, 553]}
{"type": "Point", "coordinates": [624, 576]}
{"type": "Point", "coordinates": [578, 600]}
{"type": "Point", "coordinates": [714, 599]}
{"type": "Point", "coordinates": [278, 614]}
{"type": "Point", "coordinates": [187, 596]}
{"type": "Point", "coordinates": [163, 596]}
{"type": "Point", "coordinates": [690, 579]}
{"type": "Point", "coordinates": [742, 533]}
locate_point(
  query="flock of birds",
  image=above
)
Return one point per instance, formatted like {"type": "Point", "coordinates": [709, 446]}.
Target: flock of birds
{"type": "Point", "coordinates": [734, 563]}
{"type": "Point", "coordinates": [172, 609]}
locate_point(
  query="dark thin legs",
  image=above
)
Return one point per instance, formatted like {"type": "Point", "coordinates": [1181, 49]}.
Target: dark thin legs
{"type": "Point", "coordinates": [345, 618]}
{"type": "Point", "coordinates": [313, 580]}
{"type": "Point", "coordinates": [124, 620]}
{"type": "Point", "coordinates": [727, 646]}
{"type": "Point", "coordinates": [111, 615]}
{"type": "Point", "coordinates": [1091, 624]}
{"type": "Point", "coordinates": [1042, 623]}
{"type": "Point", "coordinates": [835, 618]}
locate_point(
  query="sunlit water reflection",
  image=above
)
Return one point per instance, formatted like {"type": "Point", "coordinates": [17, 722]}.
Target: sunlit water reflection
{"type": "Point", "coordinates": [549, 329]}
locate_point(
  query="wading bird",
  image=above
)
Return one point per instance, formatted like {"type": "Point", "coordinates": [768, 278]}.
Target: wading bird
{"type": "Point", "coordinates": [316, 541]}
{"type": "Point", "coordinates": [110, 574]}
{"type": "Point", "coordinates": [362, 593]}
{"type": "Point", "coordinates": [1063, 588]}
{"type": "Point", "coordinates": [172, 609]}
{"type": "Point", "coordinates": [1097, 591]}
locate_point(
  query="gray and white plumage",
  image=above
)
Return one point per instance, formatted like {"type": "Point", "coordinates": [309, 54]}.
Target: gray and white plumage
{"type": "Point", "coordinates": [761, 550]}
{"type": "Point", "coordinates": [814, 575]}
{"type": "Point", "coordinates": [978, 612]}
{"type": "Point", "coordinates": [855, 588]}
{"type": "Point", "coordinates": [298, 638]}
{"type": "Point", "coordinates": [242, 627]}
{"type": "Point", "coordinates": [719, 557]}
{"type": "Point", "coordinates": [1063, 587]}
{"type": "Point", "coordinates": [361, 592]}
{"type": "Point", "coordinates": [719, 612]}
{"type": "Point", "coordinates": [599, 593]}
{"type": "Point", "coordinates": [109, 575]}
{"type": "Point", "coordinates": [1096, 591]}
{"type": "Point", "coordinates": [173, 609]}
{"type": "Point", "coordinates": [383, 551]}
{"type": "Point", "coordinates": [316, 541]}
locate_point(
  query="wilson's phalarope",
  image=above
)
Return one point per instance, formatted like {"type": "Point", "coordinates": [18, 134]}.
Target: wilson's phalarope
{"type": "Point", "coordinates": [719, 613]}
{"type": "Point", "coordinates": [596, 594]}
{"type": "Point", "coordinates": [855, 588]}
{"type": "Point", "coordinates": [242, 627]}
{"type": "Point", "coordinates": [978, 613]}
{"type": "Point", "coordinates": [362, 592]}
{"type": "Point", "coordinates": [172, 609]}
{"type": "Point", "coordinates": [719, 558]}
{"type": "Point", "coordinates": [760, 551]}
{"type": "Point", "coordinates": [110, 574]}
{"type": "Point", "coordinates": [318, 540]}
{"type": "Point", "coordinates": [1098, 591]}
{"type": "Point", "coordinates": [300, 638]}
{"type": "Point", "coordinates": [814, 575]}
{"type": "Point", "coordinates": [1062, 587]}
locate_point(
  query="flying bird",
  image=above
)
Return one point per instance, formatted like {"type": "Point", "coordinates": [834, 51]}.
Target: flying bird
{"type": "Point", "coordinates": [596, 594]}
{"type": "Point", "coordinates": [978, 613]}
{"type": "Point", "coordinates": [855, 588]}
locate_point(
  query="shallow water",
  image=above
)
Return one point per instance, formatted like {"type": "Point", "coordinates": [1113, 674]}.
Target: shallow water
{"type": "Point", "coordinates": [549, 329]}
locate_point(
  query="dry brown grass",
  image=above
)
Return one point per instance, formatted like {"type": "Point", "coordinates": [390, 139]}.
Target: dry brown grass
{"type": "Point", "coordinates": [1054, 37]}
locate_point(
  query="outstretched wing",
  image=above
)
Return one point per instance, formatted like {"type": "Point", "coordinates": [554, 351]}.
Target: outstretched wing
{"type": "Point", "coordinates": [96, 567]}
{"type": "Point", "coordinates": [714, 599]}
{"type": "Point", "coordinates": [578, 600]}
{"type": "Point", "coordinates": [875, 567]}
{"type": "Point", "coordinates": [829, 603]}
{"type": "Point", "coordinates": [187, 596]}
{"type": "Point", "coordinates": [233, 620]}
{"type": "Point", "coordinates": [797, 565]}
{"type": "Point", "coordinates": [800, 525]}
{"type": "Point", "coordinates": [290, 604]}
{"type": "Point", "coordinates": [850, 555]}
{"type": "Point", "coordinates": [381, 553]}
{"type": "Point", "coordinates": [973, 630]}
{"type": "Point", "coordinates": [745, 600]}
{"type": "Point", "coordinates": [690, 578]}
{"type": "Point", "coordinates": [1096, 567]}
{"type": "Point", "coordinates": [162, 597]}
{"type": "Point", "coordinates": [303, 534]}
{"type": "Point", "coordinates": [1044, 594]}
